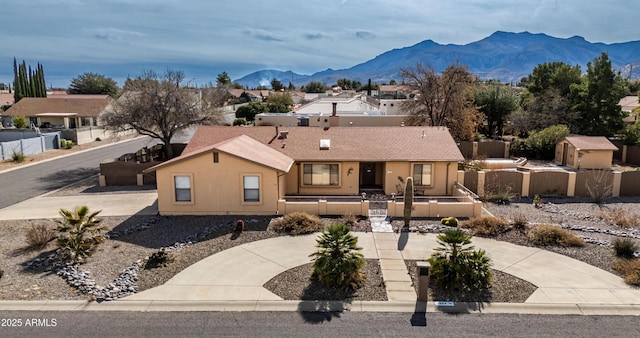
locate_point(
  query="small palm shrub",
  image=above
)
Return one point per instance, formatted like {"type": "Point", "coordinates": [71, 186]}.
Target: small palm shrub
{"type": "Point", "coordinates": [38, 236]}
{"type": "Point", "coordinates": [449, 221]}
{"type": "Point", "coordinates": [629, 269]}
{"type": "Point", "coordinates": [297, 223]}
{"type": "Point", "coordinates": [624, 247]}
{"type": "Point", "coordinates": [457, 266]}
{"type": "Point", "coordinates": [486, 225]}
{"type": "Point", "coordinates": [338, 262]}
{"type": "Point", "coordinates": [17, 156]}
{"type": "Point", "coordinates": [547, 234]}
{"type": "Point", "coordinates": [79, 233]}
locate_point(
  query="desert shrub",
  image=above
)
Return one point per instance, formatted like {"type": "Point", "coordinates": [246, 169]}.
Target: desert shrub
{"type": "Point", "coordinates": [79, 233]}
{"type": "Point", "coordinates": [520, 222]}
{"type": "Point", "coordinates": [598, 185]}
{"type": "Point", "coordinates": [297, 223]}
{"type": "Point", "coordinates": [240, 121]}
{"type": "Point", "coordinates": [66, 144]}
{"type": "Point", "coordinates": [159, 259]}
{"type": "Point", "coordinates": [625, 247]}
{"type": "Point", "coordinates": [449, 221]}
{"type": "Point", "coordinates": [38, 236]}
{"type": "Point", "coordinates": [338, 262]}
{"type": "Point", "coordinates": [622, 218]}
{"type": "Point", "coordinates": [629, 269]}
{"type": "Point", "coordinates": [457, 266]}
{"type": "Point", "coordinates": [486, 225]}
{"type": "Point", "coordinates": [547, 234]}
{"type": "Point", "coordinates": [17, 156]}
{"type": "Point", "coordinates": [543, 143]}
{"type": "Point", "coordinates": [349, 219]}
{"type": "Point", "coordinates": [499, 193]}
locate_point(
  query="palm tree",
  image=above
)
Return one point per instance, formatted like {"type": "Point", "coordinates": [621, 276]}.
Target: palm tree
{"type": "Point", "coordinates": [338, 262]}
{"type": "Point", "coordinates": [457, 266]}
{"type": "Point", "coordinates": [79, 233]}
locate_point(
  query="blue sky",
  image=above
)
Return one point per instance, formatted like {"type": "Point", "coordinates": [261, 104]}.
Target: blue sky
{"type": "Point", "coordinates": [117, 38]}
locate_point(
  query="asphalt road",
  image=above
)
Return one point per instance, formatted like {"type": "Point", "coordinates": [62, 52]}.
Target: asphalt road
{"type": "Point", "coordinates": [299, 324]}
{"type": "Point", "coordinates": [24, 183]}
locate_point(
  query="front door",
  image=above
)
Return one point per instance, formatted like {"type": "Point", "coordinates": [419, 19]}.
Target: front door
{"type": "Point", "coordinates": [367, 175]}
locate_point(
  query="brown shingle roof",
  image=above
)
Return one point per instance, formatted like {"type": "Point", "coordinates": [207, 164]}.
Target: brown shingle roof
{"type": "Point", "coordinates": [591, 143]}
{"type": "Point", "coordinates": [347, 143]}
{"type": "Point", "coordinates": [31, 106]}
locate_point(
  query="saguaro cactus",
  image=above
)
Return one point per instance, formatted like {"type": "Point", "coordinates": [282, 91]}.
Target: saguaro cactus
{"type": "Point", "coordinates": [408, 201]}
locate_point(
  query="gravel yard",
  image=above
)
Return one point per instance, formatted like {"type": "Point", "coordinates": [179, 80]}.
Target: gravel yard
{"type": "Point", "coordinates": [28, 275]}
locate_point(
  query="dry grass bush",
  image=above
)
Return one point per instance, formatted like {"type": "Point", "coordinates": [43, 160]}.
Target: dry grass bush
{"type": "Point", "coordinates": [547, 234]}
{"type": "Point", "coordinates": [297, 223]}
{"type": "Point", "coordinates": [486, 225]}
{"type": "Point", "coordinates": [599, 185]}
{"type": "Point", "coordinates": [520, 222]}
{"type": "Point", "coordinates": [623, 218]}
{"type": "Point", "coordinates": [159, 259]}
{"type": "Point", "coordinates": [629, 268]}
{"type": "Point", "coordinates": [39, 235]}
{"type": "Point", "coordinates": [349, 219]}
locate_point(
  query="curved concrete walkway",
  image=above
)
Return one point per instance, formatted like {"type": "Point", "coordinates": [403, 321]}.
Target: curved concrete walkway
{"type": "Point", "coordinates": [237, 274]}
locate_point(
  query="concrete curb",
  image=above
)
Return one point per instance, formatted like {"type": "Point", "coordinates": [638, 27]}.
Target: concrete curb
{"type": "Point", "coordinates": [324, 306]}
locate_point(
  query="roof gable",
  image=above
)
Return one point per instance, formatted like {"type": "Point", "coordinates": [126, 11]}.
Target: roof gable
{"type": "Point", "coordinates": [590, 143]}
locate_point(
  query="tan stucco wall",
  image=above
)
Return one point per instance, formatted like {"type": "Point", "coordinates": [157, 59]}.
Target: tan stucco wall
{"type": "Point", "coordinates": [217, 188]}
{"type": "Point", "coordinates": [594, 159]}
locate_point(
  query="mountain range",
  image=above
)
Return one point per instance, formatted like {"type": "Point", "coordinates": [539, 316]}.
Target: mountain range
{"type": "Point", "coordinates": [503, 56]}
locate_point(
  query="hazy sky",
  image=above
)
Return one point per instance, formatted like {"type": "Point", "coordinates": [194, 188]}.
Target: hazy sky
{"type": "Point", "coordinates": [117, 38]}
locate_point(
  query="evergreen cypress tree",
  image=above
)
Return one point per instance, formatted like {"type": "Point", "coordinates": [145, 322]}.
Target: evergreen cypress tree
{"type": "Point", "coordinates": [17, 87]}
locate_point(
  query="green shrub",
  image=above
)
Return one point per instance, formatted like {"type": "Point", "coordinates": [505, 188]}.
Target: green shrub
{"type": "Point", "coordinates": [629, 269]}
{"type": "Point", "coordinates": [338, 262]}
{"type": "Point", "coordinates": [486, 225]}
{"type": "Point", "coordinates": [241, 121]}
{"type": "Point", "coordinates": [457, 266]}
{"type": "Point", "coordinates": [17, 156]}
{"type": "Point", "coordinates": [38, 236]}
{"type": "Point", "coordinates": [450, 221]}
{"type": "Point", "coordinates": [159, 259]}
{"type": "Point", "coordinates": [297, 223]}
{"type": "Point", "coordinates": [624, 247]}
{"type": "Point", "coordinates": [19, 122]}
{"type": "Point", "coordinates": [79, 233]}
{"type": "Point", "coordinates": [66, 144]}
{"type": "Point", "coordinates": [543, 143]}
{"type": "Point", "coordinates": [547, 234]}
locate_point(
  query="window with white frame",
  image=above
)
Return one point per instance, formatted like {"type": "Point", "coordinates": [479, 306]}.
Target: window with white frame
{"type": "Point", "coordinates": [251, 188]}
{"type": "Point", "coordinates": [422, 174]}
{"type": "Point", "coordinates": [182, 186]}
{"type": "Point", "coordinates": [321, 174]}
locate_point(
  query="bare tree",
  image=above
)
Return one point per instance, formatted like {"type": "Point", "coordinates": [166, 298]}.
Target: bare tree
{"type": "Point", "coordinates": [161, 106]}
{"type": "Point", "coordinates": [443, 100]}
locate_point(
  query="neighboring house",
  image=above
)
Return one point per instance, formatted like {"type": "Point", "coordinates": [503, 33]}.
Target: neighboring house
{"type": "Point", "coordinates": [335, 111]}
{"type": "Point", "coordinates": [585, 152]}
{"type": "Point", "coordinates": [631, 106]}
{"type": "Point", "coordinates": [75, 115]}
{"type": "Point", "coordinates": [271, 170]}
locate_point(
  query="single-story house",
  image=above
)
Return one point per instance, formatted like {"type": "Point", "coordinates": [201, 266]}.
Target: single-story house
{"type": "Point", "coordinates": [631, 106]}
{"type": "Point", "coordinates": [272, 170]}
{"type": "Point", "coordinates": [585, 152]}
{"type": "Point", "coordinates": [75, 114]}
